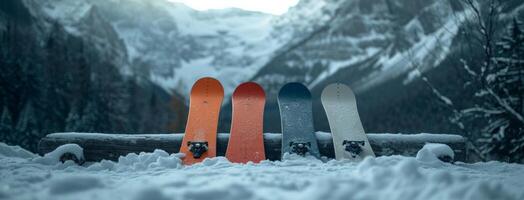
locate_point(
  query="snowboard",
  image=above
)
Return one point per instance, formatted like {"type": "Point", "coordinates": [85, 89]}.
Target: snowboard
{"type": "Point", "coordinates": [201, 129]}
{"type": "Point", "coordinates": [349, 139]}
{"type": "Point", "coordinates": [246, 140]}
{"type": "Point", "coordinates": [296, 115]}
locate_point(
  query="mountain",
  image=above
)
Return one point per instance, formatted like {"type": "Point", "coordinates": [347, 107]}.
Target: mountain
{"type": "Point", "coordinates": [380, 48]}
{"type": "Point", "coordinates": [173, 45]}
{"type": "Point", "coordinates": [363, 44]}
{"type": "Point", "coordinates": [66, 69]}
{"type": "Point", "coordinates": [84, 20]}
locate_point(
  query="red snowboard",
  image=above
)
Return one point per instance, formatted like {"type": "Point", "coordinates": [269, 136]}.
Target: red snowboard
{"type": "Point", "coordinates": [246, 140]}
{"type": "Point", "coordinates": [201, 130]}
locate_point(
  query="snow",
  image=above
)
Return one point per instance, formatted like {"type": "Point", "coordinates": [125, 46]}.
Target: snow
{"type": "Point", "coordinates": [172, 39]}
{"type": "Point", "coordinates": [53, 157]}
{"type": "Point", "coordinates": [431, 152]}
{"type": "Point", "coordinates": [159, 175]}
{"type": "Point", "coordinates": [229, 44]}
{"type": "Point", "coordinates": [139, 162]}
{"type": "Point", "coordinates": [428, 52]}
{"type": "Point", "coordinates": [105, 136]}
{"type": "Point", "coordinates": [322, 136]}
{"type": "Point", "coordinates": [72, 184]}
{"type": "Point", "coordinates": [67, 12]}
{"type": "Point", "coordinates": [14, 151]}
{"type": "Point", "coordinates": [421, 137]}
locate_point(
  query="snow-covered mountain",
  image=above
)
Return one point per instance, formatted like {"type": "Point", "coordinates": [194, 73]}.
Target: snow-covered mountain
{"type": "Point", "coordinates": [361, 43]}
{"type": "Point", "coordinates": [84, 20]}
{"type": "Point", "coordinates": [181, 44]}
{"type": "Point", "coordinates": [376, 40]}
{"type": "Point", "coordinates": [64, 67]}
{"type": "Point", "coordinates": [173, 44]}
{"type": "Point", "coordinates": [377, 47]}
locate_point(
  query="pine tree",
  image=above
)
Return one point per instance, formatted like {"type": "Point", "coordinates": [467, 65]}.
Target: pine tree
{"type": "Point", "coordinates": [55, 87]}
{"type": "Point", "coordinates": [73, 121]}
{"type": "Point", "coordinates": [177, 114]}
{"type": "Point", "coordinates": [91, 120]}
{"type": "Point", "coordinates": [27, 127]}
{"type": "Point", "coordinates": [135, 112]}
{"type": "Point", "coordinates": [109, 98]}
{"type": "Point", "coordinates": [148, 120]}
{"type": "Point", "coordinates": [505, 132]}
{"type": "Point", "coordinates": [6, 126]}
{"type": "Point", "coordinates": [78, 82]}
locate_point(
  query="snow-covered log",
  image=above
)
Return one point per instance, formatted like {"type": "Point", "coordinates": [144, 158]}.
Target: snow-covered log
{"type": "Point", "coordinates": [98, 146]}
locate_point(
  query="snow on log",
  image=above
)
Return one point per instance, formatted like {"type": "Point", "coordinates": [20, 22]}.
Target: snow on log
{"type": "Point", "coordinates": [63, 153]}
{"type": "Point", "coordinates": [432, 152]}
{"type": "Point", "coordinates": [99, 146]}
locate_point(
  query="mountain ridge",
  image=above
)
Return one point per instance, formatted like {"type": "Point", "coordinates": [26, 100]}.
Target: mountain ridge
{"type": "Point", "coordinates": [371, 46]}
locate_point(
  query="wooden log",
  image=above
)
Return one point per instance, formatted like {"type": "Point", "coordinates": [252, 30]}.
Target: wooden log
{"type": "Point", "coordinates": [99, 146]}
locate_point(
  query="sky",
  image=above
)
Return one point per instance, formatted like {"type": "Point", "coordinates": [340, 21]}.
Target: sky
{"type": "Point", "coordinates": [275, 7]}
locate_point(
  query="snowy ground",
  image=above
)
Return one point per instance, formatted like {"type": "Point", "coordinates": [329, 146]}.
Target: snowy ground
{"type": "Point", "coordinates": [159, 176]}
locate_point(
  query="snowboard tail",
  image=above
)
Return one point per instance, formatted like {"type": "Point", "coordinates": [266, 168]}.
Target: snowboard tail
{"type": "Point", "coordinates": [246, 140]}
{"type": "Point", "coordinates": [349, 139]}
{"type": "Point", "coordinates": [201, 130]}
{"type": "Point", "coordinates": [296, 115]}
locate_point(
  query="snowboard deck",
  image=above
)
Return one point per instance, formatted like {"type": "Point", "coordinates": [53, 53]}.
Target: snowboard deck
{"type": "Point", "coordinates": [296, 115]}
{"type": "Point", "coordinates": [246, 140]}
{"type": "Point", "coordinates": [349, 139]}
{"type": "Point", "coordinates": [201, 130]}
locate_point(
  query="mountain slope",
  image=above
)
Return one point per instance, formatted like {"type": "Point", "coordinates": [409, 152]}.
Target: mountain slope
{"type": "Point", "coordinates": [174, 45]}
{"type": "Point", "coordinates": [379, 48]}
{"type": "Point", "coordinates": [59, 75]}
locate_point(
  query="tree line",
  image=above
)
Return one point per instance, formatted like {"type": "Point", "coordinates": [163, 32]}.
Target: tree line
{"type": "Point", "coordinates": [52, 81]}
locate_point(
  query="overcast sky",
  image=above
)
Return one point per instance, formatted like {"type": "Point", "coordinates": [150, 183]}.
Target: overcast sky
{"type": "Point", "coordinates": [276, 7]}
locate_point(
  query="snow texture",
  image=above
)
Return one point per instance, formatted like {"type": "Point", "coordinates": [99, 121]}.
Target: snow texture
{"type": "Point", "coordinates": [431, 152]}
{"type": "Point", "coordinates": [53, 157]}
{"type": "Point", "coordinates": [14, 151]}
{"type": "Point", "coordinates": [159, 175]}
{"type": "Point", "coordinates": [323, 136]}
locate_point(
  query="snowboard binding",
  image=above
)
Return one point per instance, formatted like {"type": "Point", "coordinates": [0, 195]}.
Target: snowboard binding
{"type": "Point", "coordinates": [197, 148]}
{"type": "Point", "coordinates": [300, 148]}
{"type": "Point", "coordinates": [353, 147]}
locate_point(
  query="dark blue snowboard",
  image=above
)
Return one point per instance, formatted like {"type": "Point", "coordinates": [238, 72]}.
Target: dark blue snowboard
{"type": "Point", "coordinates": [296, 115]}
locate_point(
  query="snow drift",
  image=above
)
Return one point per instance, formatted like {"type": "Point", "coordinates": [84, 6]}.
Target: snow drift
{"type": "Point", "coordinates": [159, 175]}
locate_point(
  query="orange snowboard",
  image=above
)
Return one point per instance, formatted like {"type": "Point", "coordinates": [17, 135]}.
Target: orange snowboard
{"type": "Point", "coordinates": [246, 140]}
{"type": "Point", "coordinates": [201, 130]}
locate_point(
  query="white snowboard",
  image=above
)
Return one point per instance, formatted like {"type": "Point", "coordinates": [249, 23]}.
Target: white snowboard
{"type": "Point", "coordinates": [346, 128]}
